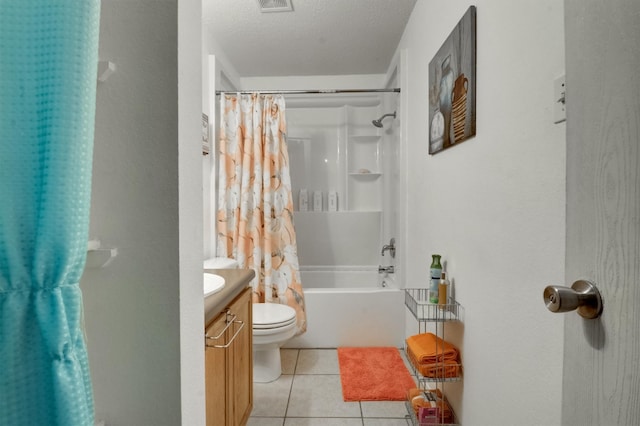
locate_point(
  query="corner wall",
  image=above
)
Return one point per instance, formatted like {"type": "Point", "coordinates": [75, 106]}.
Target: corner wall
{"type": "Point", "coordinates": [133, 306]}
{"type": "Point", "coordinates": [190, 210]}
{"type": "Point", "coordinates": [494, 207]}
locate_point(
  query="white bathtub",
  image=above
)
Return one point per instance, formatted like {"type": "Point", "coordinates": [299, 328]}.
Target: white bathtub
{"type": "Point", "coordinates": [350, 307]}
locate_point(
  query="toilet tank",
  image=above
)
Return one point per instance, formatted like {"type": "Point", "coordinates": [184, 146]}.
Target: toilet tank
{"type": "Point", "coordinates": [220, 263]}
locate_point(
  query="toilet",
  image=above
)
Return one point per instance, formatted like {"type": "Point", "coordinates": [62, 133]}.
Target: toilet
{"type": "Point", "coordinates": [273, 325]}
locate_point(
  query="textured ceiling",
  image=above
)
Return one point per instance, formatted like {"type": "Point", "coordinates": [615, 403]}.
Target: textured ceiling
{"type": "Point", "coordinates": [320, 37]}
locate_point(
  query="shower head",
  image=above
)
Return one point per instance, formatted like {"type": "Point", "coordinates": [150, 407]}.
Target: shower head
{"type": "Point", "coordinates": [378, 122]}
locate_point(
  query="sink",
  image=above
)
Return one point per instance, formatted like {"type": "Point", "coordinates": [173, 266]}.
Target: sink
{"type": "Point", "coordinates": [212, 284]}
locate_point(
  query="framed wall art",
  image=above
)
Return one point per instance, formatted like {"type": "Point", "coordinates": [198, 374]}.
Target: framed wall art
{"type": "Point", "coordinates": [452, 87]}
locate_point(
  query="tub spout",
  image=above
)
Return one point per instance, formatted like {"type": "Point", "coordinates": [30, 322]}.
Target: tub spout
{"type": "Point", "coordinates": [388, 269]}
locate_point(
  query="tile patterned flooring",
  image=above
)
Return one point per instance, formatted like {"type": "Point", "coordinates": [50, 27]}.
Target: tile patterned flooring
{"type": "Point", "coordinates": [309, 393]}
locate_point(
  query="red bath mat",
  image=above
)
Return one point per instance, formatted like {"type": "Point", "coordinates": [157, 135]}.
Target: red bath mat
{"type": "Point", "coordinates": [373, 374]}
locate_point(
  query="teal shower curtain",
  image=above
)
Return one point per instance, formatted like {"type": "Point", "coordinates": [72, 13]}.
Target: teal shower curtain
{"type": "Point", "coordinates": [48, 66]}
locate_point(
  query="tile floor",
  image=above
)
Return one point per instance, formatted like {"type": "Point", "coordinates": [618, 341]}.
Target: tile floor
{"type": "Point", "coordinates": [309, 393]}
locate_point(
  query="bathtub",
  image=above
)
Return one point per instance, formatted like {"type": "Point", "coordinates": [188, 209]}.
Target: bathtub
{"type": "Point", "coordinates": [350, 306]}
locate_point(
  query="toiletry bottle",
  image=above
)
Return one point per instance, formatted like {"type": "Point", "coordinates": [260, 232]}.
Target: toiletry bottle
{"type": "Point", "coordinates": [443, 291]}
{"type": "Point", "coordinates": [317, 201]}
{"type": "Point", "coordinates": [436, 271]}
{"type": "Point", "coordinates": [332, 201]}
{"type": "Point", "coordinates": [303, 200]}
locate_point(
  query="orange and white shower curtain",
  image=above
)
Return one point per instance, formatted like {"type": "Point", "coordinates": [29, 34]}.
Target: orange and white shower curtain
{"type": "Point", "coordinates": [255, 205]}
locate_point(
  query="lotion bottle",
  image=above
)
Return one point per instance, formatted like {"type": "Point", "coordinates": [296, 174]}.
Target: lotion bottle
{"type": "Point", "coordinates": [443, 291]}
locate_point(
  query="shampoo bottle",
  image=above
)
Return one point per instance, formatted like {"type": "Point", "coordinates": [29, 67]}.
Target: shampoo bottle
{"type": "Point", "coordinates": [436, 272]}
{"type": "Point", "coordinates": [317, 201]}
{"type": "Point", "coordinates": [332, 201]}
{"type": "Point", "coordinates": [303, 200]}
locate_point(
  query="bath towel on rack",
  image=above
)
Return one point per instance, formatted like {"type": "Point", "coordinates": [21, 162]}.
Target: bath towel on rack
{"type": "Point", "coordinates": [429, 348]}
{"type": "Point", "coordinates": [433, 357]}
{"type": "Point", "coordinates": [438, 370]}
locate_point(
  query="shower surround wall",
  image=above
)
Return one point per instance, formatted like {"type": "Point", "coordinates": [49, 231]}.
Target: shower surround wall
{"type": "Point", "coordinates": [337, 149]}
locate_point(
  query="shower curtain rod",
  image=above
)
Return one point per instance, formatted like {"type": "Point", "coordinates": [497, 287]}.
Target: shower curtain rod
{"type": "Point", "coordinates": [302, 92]}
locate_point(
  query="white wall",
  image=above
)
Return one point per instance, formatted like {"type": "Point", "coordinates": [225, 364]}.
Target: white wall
{"type": "Point", "coordinates": [494, 206]}
{"type": "Point", "coordinates": [217, 74]}
{"type": "Point", "coordinates": [192, 383]}
{"type": "Point", "coordinates": [208, 181]}
{"type": "Point", "coordinates": [138, 318]}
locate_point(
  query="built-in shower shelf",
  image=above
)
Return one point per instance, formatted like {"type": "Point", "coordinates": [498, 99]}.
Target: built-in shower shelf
{"type": "Point", "coordinates": [364, 138]}
{"type": "Point", "coordinates": [364, 183]}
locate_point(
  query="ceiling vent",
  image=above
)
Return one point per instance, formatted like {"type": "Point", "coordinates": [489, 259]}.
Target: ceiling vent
{"type": "Point", "coordinates": [275, 6]}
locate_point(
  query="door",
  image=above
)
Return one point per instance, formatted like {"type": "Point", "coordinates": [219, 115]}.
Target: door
{"type": "Point", "coordinates": [601, 374]}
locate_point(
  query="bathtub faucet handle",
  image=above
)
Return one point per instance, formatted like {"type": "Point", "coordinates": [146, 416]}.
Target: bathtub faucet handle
{"type": "Point", "coordinates": [388, 269]}
{"type": "Point", "coordinates": [391, 247]}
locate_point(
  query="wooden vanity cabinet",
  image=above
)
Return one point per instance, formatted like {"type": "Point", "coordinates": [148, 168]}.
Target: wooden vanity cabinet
{"type": "Point", "coordinates": [229, 364]}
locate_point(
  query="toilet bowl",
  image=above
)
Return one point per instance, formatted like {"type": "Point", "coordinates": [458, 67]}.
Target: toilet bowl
{"type": "Point", "coordinates": [273, 325]}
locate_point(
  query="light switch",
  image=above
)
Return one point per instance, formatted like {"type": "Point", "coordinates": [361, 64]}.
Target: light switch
{"type": "Point", "coordinates": [559, 98]}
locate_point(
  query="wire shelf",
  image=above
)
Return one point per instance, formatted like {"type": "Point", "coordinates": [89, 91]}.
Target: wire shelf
{"type": "Point", "coordinates": [417, 300]}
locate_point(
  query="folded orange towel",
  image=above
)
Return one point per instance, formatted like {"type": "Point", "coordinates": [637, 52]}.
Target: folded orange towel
{"type": "Point", "coordinates": [429, 349]}
{"type": "Point", "coordinates": [439, 370]}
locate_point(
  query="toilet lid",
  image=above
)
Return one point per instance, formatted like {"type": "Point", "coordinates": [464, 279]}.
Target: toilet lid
{"type": "Point", "coordinates": [272, 315]}
{"type": "Point", "coordinates": [274, 326]}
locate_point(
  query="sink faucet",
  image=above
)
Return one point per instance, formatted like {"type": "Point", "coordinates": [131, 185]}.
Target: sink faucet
{"type": "Point", "coordinates": [391, 247]}
{"type": "Point", "coordinates": [388, 269]}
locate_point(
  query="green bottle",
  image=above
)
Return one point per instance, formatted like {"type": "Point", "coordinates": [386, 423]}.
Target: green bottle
{"type": "Point", "coordinates": [436, 271]}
